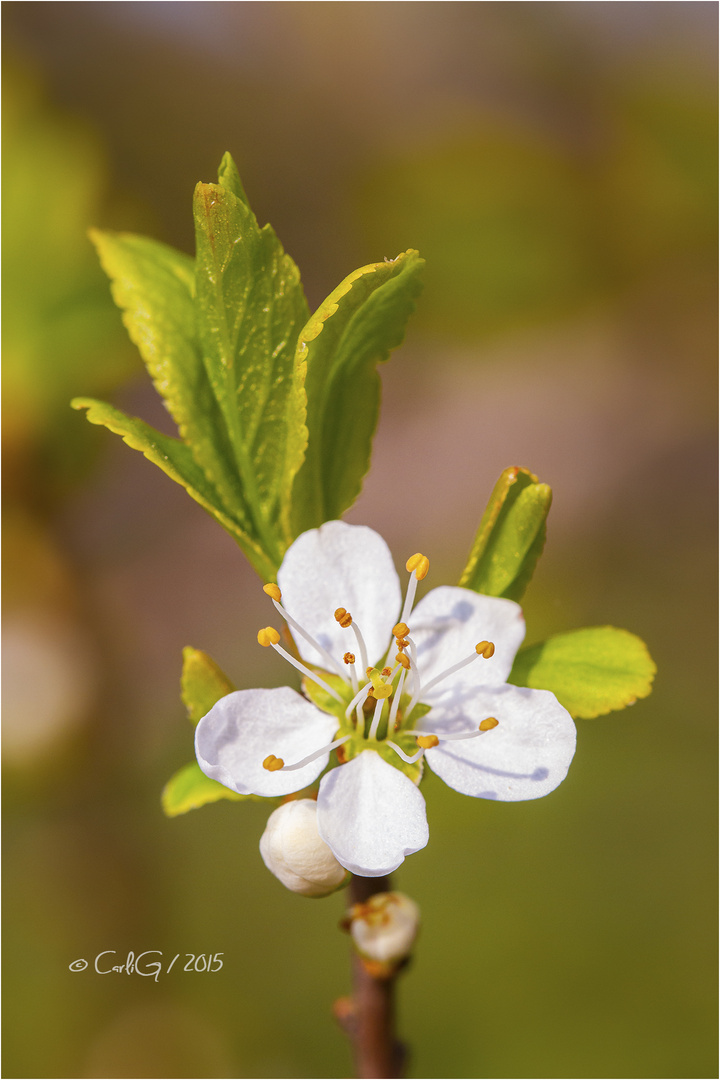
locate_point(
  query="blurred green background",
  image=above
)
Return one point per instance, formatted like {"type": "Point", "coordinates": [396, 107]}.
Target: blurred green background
{"type": "Point", "coordinates": [555, 164]}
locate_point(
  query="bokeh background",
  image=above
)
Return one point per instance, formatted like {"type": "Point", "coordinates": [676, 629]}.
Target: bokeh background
{"type": "Point", "coordinates": [555, 164]}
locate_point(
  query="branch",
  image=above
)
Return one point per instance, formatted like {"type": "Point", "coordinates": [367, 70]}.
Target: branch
{"type": "Point", "coordinates": [369, 1017]}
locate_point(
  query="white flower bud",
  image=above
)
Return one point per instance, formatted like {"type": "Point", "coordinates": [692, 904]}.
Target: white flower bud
{"type": "Point", "coordinates": [385, 927]}
{"type": "Point", "coordinates": [293, 850]}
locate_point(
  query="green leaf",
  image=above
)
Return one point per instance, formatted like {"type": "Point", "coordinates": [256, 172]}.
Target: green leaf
{"type": "Point", "coordinates": [202, 683]}
{"type": "Point", "coordinates": [175, 459]}
{"type": "Point", "coordinates": [153, 285]}
{"type": "Point", "coordinates": [343, 342]}
{"type": "Point", "coordinates": [190, 788]}
{"type": "Point", "coordinates": [591, 671]}
{"type": "Point", "coordinates": [250, 310]}
{"type": "Point", "coordinates": [511, 536]}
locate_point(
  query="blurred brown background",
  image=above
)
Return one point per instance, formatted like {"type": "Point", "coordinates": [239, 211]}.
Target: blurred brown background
{"type": "Point", "coordinates": [555, 163]}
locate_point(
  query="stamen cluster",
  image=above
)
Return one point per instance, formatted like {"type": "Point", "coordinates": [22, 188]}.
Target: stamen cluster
{"type": "Point", "coordinates": [378, 685]}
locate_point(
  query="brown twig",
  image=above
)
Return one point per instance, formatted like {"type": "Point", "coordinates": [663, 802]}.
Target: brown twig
{"type": "Point", "coordinates": [369, 1018]}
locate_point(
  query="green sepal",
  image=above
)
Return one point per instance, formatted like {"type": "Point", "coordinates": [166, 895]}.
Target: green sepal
{"type": "Point", "coordinates": [202, 683]}
{"type": "Point", "coordinates": [176, 460]}
{"type": "Point", "coordinates": [190, 789]}
{"type": "Point", "coordinates": [250, 309]}
{"type": "Point", "coordinates": [322, 699]}
{"type": "Point", "coordinates": [351, 332]}
{"type": "Point", "coordinates": [510, 538]}
{"type": "Point", "coordinates": [591, 671]}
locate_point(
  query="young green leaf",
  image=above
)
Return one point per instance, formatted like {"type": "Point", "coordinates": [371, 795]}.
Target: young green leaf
{"type": "Point", "coordinates": [202, 683]}
{"type": "Point", "coordinates": [343, 342]}
{"type": "Point", "coordinates": [511, 536]}
{"type": "Point", "coordinates": [190, 788]}
{"type": "Point", "coordinates": [153, 285]}
{"type": "Point", "coordinates": [591, 671]}
{"type": "Point", "coordinates": [250, 309]}
{"type": "Point", "coordinates": [176, 460]}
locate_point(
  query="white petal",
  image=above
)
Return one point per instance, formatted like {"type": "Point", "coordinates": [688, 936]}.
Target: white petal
{"type": "Point", "coordinates": [525, 757]}
{"type": "Point", "coordinates": [244, 728]}
{"type": "Point", "coordinates": [449, 622]}
{"type": "Point", "coordinates": [347, 566]}
{"type": "Point", "coordinates": [371, 814]}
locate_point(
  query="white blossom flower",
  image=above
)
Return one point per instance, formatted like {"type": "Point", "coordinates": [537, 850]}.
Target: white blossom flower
{"type": "Point", "coordinates": [388, 684]}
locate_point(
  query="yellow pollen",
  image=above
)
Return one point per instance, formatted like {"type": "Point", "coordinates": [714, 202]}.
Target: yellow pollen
{"type": "Point", "coordinates": [401, 642]}
{"type": "Point", "coordinates": [268, 636]}
{"type": "Point", "coordinates": [420, 564]}
{"type": "Point", "coordinates": [400, 629]}
{"type": "Point", "coordinates": [273, 592]}
{"type": "Point", "coordinates": [272, 763]}
{"type": "Point", "coordinates": [343, 617]}
{"type": "Point", "coordinates": [485, 649]}
{"type": "Point", "coordinates": [401, 658]}
{"type": "Point", "coordinates": [488, 724]}
{"type": "Point", "coordinates": [370, 671]}
{"type": "Point", "coordinates": [426, 741]}
{"type": "Point", "coordinates": [349, 657]}
{"type": "Point", "coordinates": [386, 671]}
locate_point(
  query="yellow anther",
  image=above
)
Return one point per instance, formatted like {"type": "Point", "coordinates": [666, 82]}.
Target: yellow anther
{"type": "Point", "coordinates": [427, 741]}
{"type": "Point", "coordinates": [272, 763]}
{"type": "Point", "coordinates": [370, 671]}
{"type": "Point", "coordinates": [268, 636]}
{"type": "Point", "coordinates": [420, 564]}
{"type": "Point", "coordinates": [343, 617]}
{"type": "Point", "coordinates": [401, 658]}
{"type": "Point", "coordinates": [401, 629]}
{"type": "Point", "coordinates": [488, 724]}
{"type": "Point", "coordinates": [273, 592]}
{"type": "Point", "coordinates": [401, 642]}
{"type": "Point", "coordinates": [349, 657]}
{"type": "Point", "coordinates": [485, 648]}
{"type": "Point", "coordinates": [386, 671]}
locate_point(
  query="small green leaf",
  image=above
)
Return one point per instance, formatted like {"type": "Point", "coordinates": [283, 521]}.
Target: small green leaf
{"type": "Point", "coordinates": [175, 459]}
{"type": "Point", "coordinates": [591, 671]}
{"type": "Point", "coordinates": [202, 683]}
{"type": "Point", "coordinates": [343, 342]}
{"type": "Point", "coordinates": [153, 285]}
{"type": "Point", "coordinates": [250, 309]}
{"type": "Point", "coordinates": [229, 178]}
{"type": "Point", "coordinates": [190, 788]}
{"type": "Point", "coordinates": [511, 536]}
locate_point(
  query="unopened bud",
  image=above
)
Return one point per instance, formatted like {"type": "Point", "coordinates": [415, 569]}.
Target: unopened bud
{"type": "Point", "coordinates": [293, 850]}
{"type": "Point", "coordinates": [384, 928]}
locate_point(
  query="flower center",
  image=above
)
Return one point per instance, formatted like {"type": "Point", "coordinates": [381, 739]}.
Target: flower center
{"type": "Point", "coordinates": [375, 703]}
